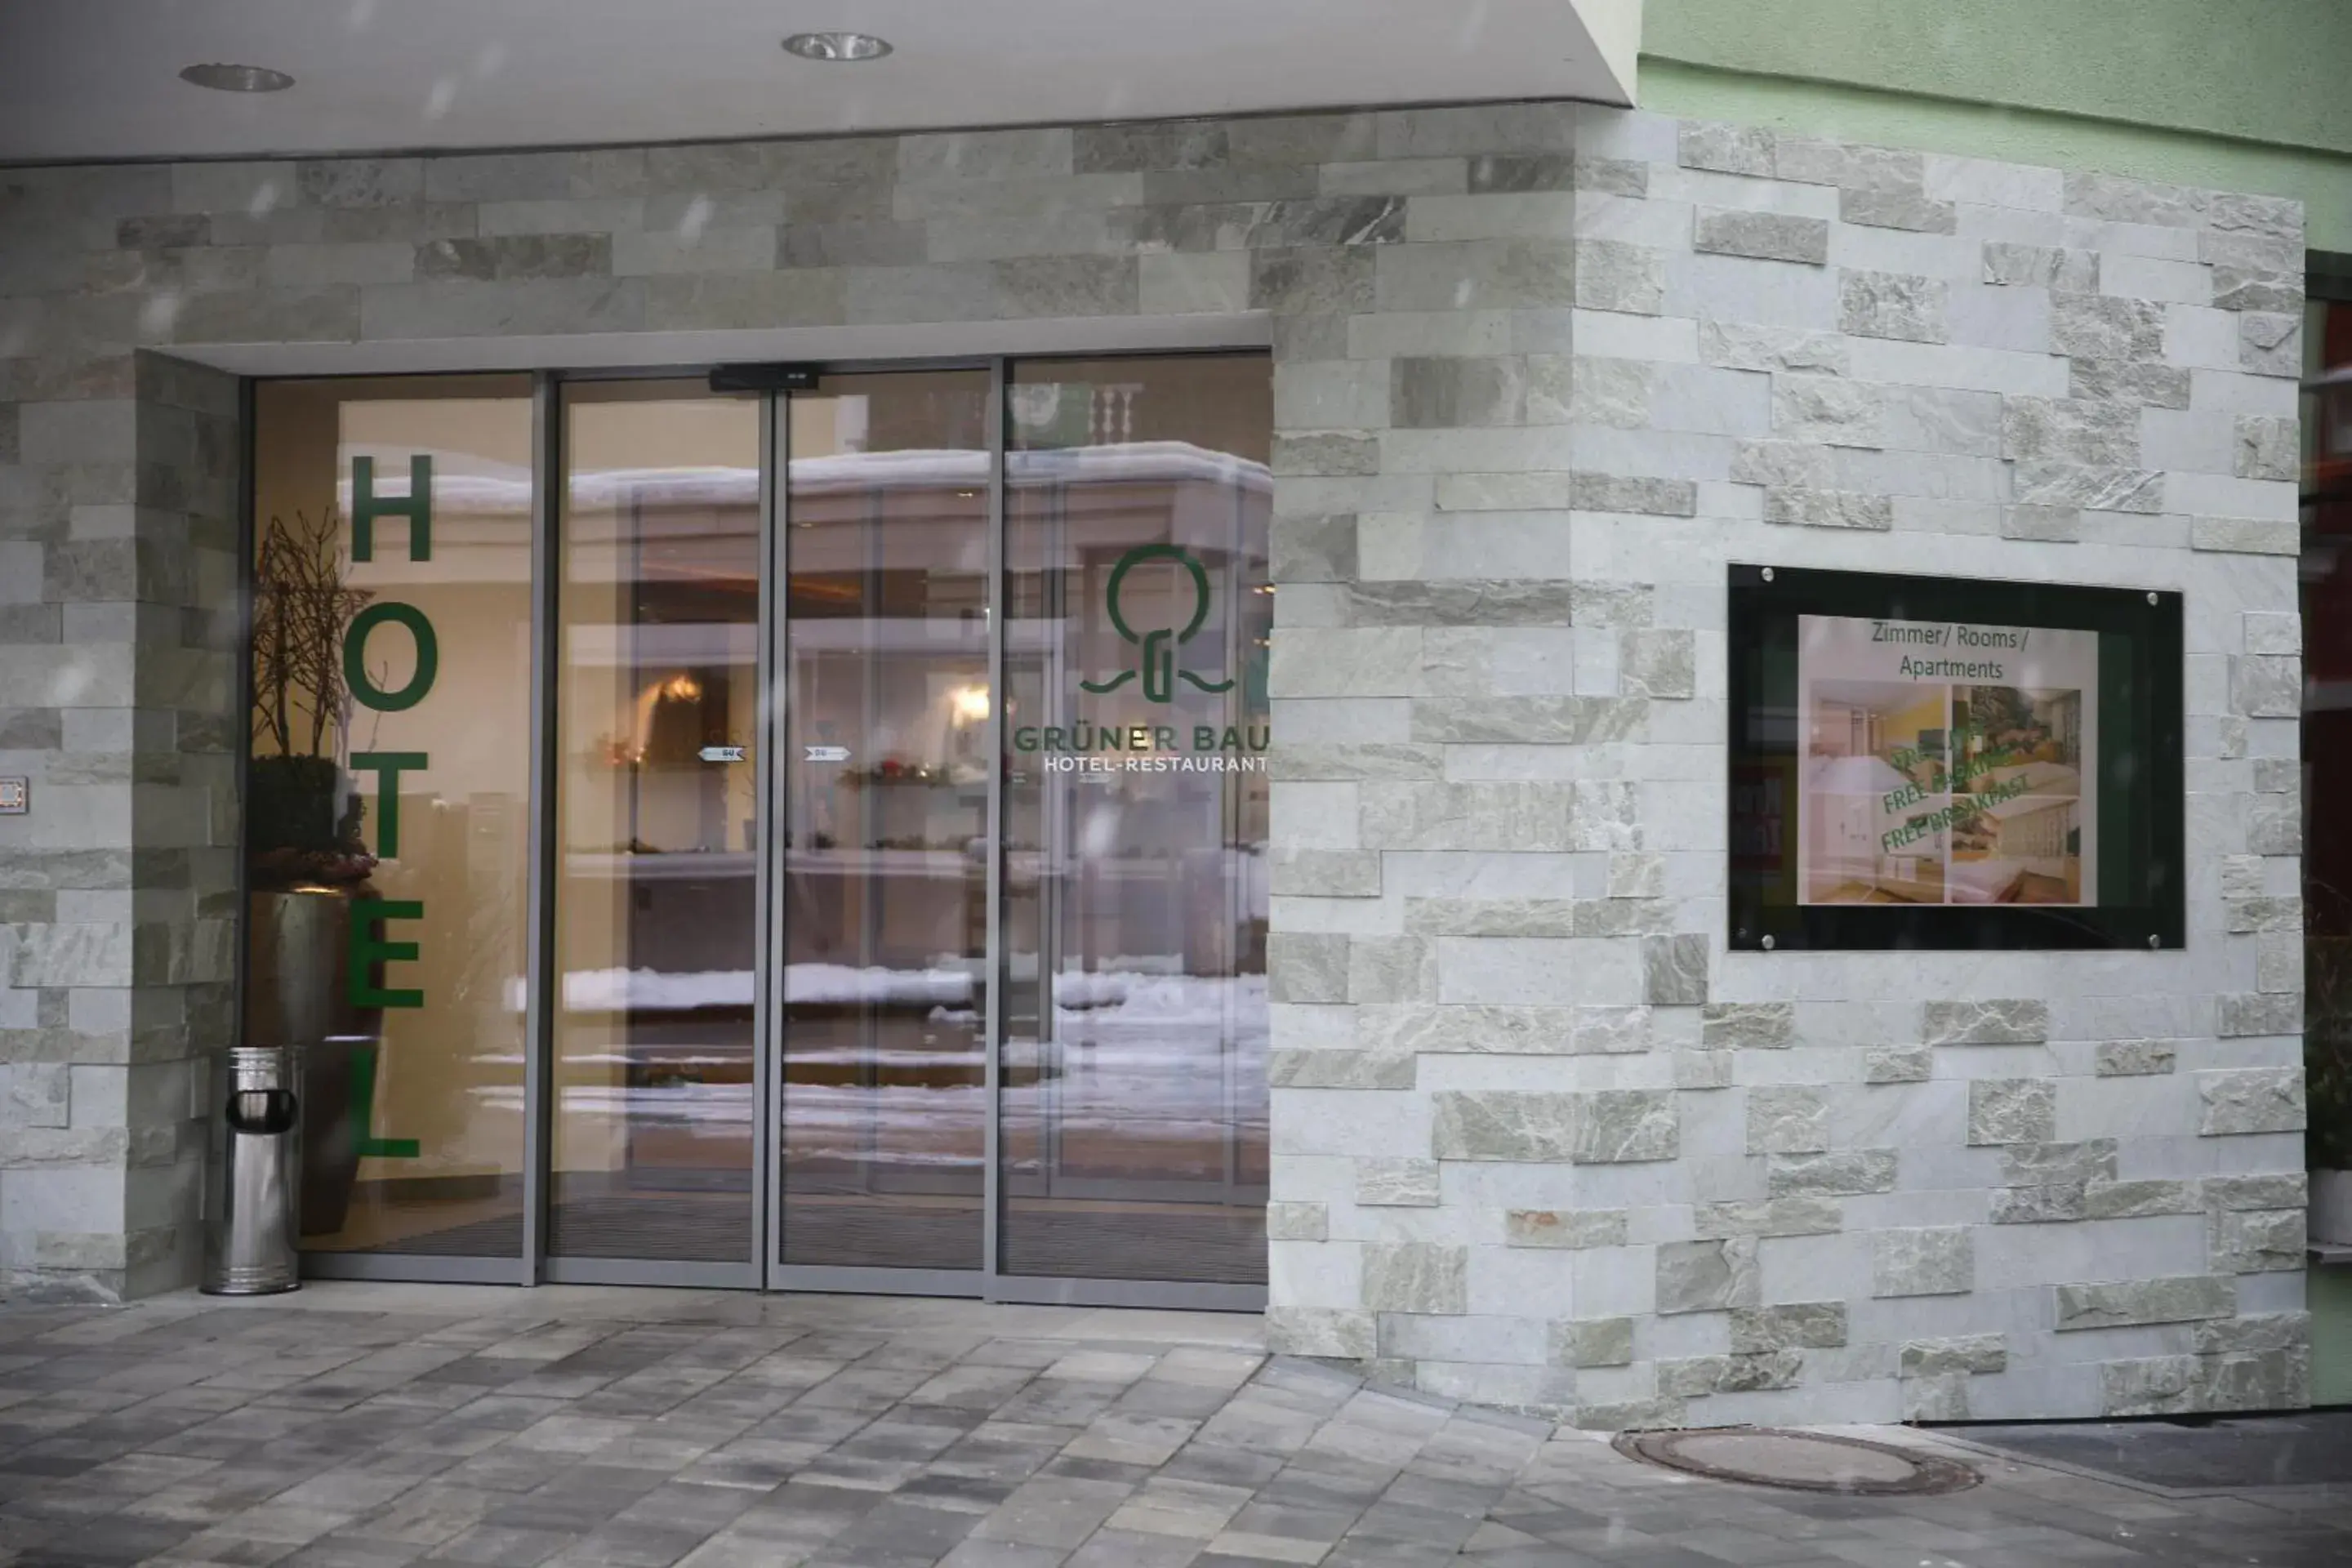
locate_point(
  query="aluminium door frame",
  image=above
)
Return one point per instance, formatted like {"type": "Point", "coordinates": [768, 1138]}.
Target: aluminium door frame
{"type": "Point", "coordinates": [775, 801]}
{"type": "Point", "coordinates": [550, 457]}
{"type": "Point", "coordinates": [525, 1266]}
{"type": "Point", "coordinates": [541, 1264]}
{"type": "Point", "coordinates": [987, 1281]}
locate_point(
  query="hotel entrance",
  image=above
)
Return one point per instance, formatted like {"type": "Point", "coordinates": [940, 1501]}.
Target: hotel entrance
{"type": "Point", "coordinates": [892, 892]}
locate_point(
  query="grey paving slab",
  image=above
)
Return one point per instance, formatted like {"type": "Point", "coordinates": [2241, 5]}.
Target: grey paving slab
{"type": "Point", "coordinates": [381, 1426]}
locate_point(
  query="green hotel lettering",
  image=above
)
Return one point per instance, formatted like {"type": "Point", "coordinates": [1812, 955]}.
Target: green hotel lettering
{"type": "Point", "coordinates": [370, 945]}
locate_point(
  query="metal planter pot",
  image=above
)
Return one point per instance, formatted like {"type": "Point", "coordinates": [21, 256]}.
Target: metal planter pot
{"type": "Point", "coordinates": [298, 994]}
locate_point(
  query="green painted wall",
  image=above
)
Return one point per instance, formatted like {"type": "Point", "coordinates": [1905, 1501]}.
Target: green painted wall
{"type": "Point", "coordinates": [2233, 94]}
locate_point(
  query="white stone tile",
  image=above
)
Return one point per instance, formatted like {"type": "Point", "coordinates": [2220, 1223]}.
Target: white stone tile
{"type": "Point", "coordinates": [1986, 182]}
{"type": "Point", "coordinates": [1875, 249]}
{"type": "Point", "coordinates": [1496, 215]}
{"type": "Point", "coordinates": [1955, 365]}
{"type": "Point", "coordinates": [2167, 242]}
{"type": "Point", "coordinates": [2200, 337]}
{"type": "Point", "coordinates": [1492, 451]}
{"type": "Point", "coordinates": [1311, 1027]}
{"type": "Point", "coordinates": [1194, 282]}
{"type": "Point", "coordinates": [1710, 402]}
{"type": "Point", "coordinates": [1396, 177]}
{"type": "Point", "coordinates": [2017, 1256]}
{"type": "Point", "coordinates": [2180, 438]}
{"type": "Point", "coordinates": [1313, 1273]}
{"type": "Point", "coordinates": [1313, 815]}
{"type": "Point", "coordinates": [1329, 395]}
{"type": "Point", "coordinates": [1989, 316]}
{"type": "Point", "coordinates": [1742, 193]}
{"type": "Point", "coordinates": [706, 251]}
{"type": "Point", "coordinates": [1814, 1268]}
{"type": "Point", "coordinates": [1423, 332]}
{"type": "Point", "coordinates": [1612, 334]}
{"type": "Point", "coordinates": [2121, 1107]}
{"type": "Point", "coordinates": [2218, 495]}
{"type": "Point", "coordinates": [1496, 544]}
{"type": "Point", "coordinates": [2011, 225]}
{"type": "Point", "coordinates": [1738, 289]}
{"type": "Point", "coordinates": [1608, 132]}
{"type": "Point", "coordinates": [1541, 971]}
{"type": "Point", "coordinates": [2152, 278]}
{"type": "Point", "coordinates": [1665, 224]}
{"type": "Point", "coordinates": [1613, 1281]}
{"type": "Point", "coordinates": [2230, 391]}
{"type": "Point", "coordinates": [1353, 917]}
{"type": "Point", "coordinates": [1347, 1122]}
{"type": "Point", "coordinates": [1341, 720]}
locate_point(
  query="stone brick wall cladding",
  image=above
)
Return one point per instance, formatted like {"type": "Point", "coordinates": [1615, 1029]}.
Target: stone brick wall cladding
{"type": "Point", "coordinates": [1539, 1139]}
{"type": "Point", "coordinates": [1541, 371]}
{"type": "Point", "coordinates": [118, 572]}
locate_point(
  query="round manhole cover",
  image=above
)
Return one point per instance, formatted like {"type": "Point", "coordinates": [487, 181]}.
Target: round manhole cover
{"type": "Point", "coordinates": [1806, 1461]}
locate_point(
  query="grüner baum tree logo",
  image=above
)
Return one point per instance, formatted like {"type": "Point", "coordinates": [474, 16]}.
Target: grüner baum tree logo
{"type": "Point", "coordinates": [1157, 665]}
{"type": "Point", "coordinates": [1091, 742]}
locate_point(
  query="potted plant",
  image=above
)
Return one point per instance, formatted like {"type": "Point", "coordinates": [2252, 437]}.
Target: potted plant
{"type": "Point", "coordinates": [305, 856]}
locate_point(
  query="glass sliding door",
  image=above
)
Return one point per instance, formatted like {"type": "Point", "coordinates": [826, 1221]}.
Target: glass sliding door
{"type": "Point", "coordinates": [813, 839]}
{"type": "Point", "coordinates": [387, 818]}
{"type": "Point", "coordinates": [1138, 615]}
{"type": "Point", "coordinates": [656, 875]}
{"type": "Point", "coordinates": [886, 771]}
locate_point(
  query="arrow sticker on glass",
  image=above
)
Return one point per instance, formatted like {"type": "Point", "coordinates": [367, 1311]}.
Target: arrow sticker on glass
{"type": "Point", "coordinates": [722, 754]}
{"type": "Point", "coordinates": [827, 754]}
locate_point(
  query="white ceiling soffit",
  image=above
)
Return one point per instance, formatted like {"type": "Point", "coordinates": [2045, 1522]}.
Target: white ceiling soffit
{"type": "Point", "coordinates": [91, 79]}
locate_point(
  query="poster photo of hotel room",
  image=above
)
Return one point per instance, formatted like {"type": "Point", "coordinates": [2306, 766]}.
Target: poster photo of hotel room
{"type": "Point", "coordinates": [1945, 762]}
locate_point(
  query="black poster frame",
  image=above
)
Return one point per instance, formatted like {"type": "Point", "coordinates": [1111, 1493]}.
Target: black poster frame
{"type": "Point", "coordinates": [2142, 789]}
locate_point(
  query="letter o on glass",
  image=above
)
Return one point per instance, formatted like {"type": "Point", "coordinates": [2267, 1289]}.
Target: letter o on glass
{"type": "Point", "coordinates": [364, 690]}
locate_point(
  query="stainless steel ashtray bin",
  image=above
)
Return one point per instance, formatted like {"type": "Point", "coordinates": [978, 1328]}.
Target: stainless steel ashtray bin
{"type": "Point", "coordinates": [254, 1214]}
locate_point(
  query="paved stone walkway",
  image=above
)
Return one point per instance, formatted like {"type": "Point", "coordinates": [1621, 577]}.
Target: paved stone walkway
{"type": "Point", "coordinates": [365, 1426]}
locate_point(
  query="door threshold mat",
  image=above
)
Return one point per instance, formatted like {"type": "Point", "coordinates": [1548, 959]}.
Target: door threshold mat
{"type": "Point", "coordinates": [2186, 1454]}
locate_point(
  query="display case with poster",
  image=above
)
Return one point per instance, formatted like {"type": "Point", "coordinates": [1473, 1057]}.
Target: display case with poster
{"type": "Point", "coordinates": [1942, 762]}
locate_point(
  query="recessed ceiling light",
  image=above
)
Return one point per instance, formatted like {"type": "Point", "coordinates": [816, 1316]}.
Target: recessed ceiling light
{"type": "Point", "coordinates": [841, 49]}
{"type": "Point", "coordinates": [237, 79]}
